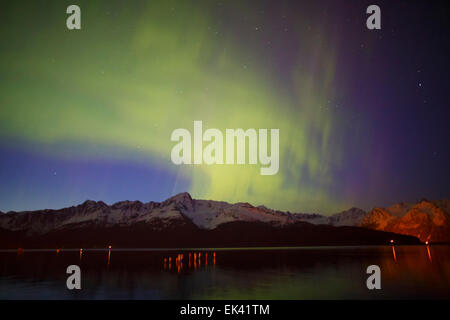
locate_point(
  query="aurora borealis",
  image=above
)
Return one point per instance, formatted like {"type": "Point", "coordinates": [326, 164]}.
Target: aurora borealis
{"type": "Point", "coordinates": [88, 114]}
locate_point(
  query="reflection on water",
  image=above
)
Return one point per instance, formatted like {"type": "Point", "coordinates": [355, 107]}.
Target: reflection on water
{"type": "Point", "coordinates": [195, 262]}
{"type": "Point", "coordinates": [265, 273]}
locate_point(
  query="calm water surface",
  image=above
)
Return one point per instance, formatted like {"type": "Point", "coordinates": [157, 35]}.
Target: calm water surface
{"type": "Point", "coordinates": [407, 272]}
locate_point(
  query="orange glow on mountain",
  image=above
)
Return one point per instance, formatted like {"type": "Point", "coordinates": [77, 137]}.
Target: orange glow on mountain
{"type": "Point", "coordinates": [418, 220]}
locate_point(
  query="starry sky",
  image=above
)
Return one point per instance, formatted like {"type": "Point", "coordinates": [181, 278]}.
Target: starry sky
{"type": "Point", "coordinates": [87, 114]}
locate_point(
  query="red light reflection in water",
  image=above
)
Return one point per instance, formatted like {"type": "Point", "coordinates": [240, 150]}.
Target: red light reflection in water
{"type": "Point", "coordinates": [393, 252]}
{"type": "Point", "coordinates": [194, 260]}
{"type": "Point", "coordinates": [429, 254]}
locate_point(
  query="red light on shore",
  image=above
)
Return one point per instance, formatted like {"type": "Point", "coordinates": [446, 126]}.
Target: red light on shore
{"type": "Point", "coordinates": [392, 241]}
{"type": "Point", "coordinates": [109, 247]}
{"type": "Point", "coordinates": [426, 242]}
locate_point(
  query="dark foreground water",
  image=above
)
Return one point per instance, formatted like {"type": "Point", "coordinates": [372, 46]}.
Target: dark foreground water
{"type": "Point", "coordinates": [269, 273]}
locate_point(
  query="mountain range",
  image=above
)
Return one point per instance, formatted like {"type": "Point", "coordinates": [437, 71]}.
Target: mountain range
{"type": "Point", "coordinates": [181, 221]}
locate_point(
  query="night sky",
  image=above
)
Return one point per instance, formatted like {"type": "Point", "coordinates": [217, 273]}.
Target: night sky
{"type": "Point", "coordinates": [87, 114]}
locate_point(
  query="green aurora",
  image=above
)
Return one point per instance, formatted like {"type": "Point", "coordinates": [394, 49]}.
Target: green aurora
{"type": "Point", "coordinates": [135, 73]}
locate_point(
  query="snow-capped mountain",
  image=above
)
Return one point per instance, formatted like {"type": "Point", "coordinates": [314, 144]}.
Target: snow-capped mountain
{"type": "Point", "coordinates": [181, 211]}
{"type": "Point", "coordinates": [205, 214]}
{"type": "Point", "coordinates": [89, 213]}
{"type": "Point", "coordinates": [351, 217]}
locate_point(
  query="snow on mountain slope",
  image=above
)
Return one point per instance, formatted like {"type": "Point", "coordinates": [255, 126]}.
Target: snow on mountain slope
{"type": "Point", "coordinates": [427, 220]}
{"type": "Point", "coordinates": [181, 208]}
{"type": "Point", "coordinates": [205, 214]}
{"type": "Point", "coordinates": [313, 218]}
{"type": "Point", "coordinates": [351, 217]}
{"type": "Point", "coordinates": [208, 214]}
{"type": "Point", "coordinates": [90, 212]}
